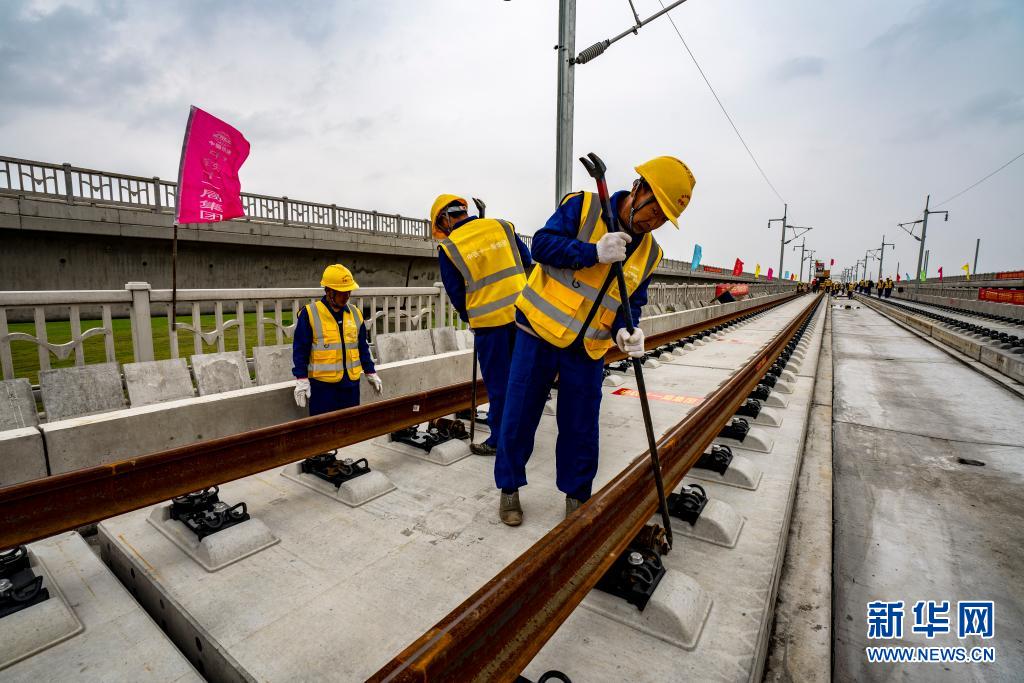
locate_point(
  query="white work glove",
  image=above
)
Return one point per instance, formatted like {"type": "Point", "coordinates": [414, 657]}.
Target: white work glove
{"type": "Point", "coordinates": [631, 344]}
{"type": "Point", "coordinates": [302, 391]}
{"type": "Point", "coordinates": [612, 247]}
{"type": "Point", "coordinates": [375, 382]}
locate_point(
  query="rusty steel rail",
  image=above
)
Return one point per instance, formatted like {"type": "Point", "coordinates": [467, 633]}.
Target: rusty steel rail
{"type": "Point", "coordinates": [43, 507]}
{"type": "Point", "coordinates": [496, 632]}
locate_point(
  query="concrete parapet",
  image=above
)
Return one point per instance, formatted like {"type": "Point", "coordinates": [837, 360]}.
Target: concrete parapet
{"type": "Point", "coordinates": [89, 441]}
{"type": "Point", "coordinates": [22, 455]}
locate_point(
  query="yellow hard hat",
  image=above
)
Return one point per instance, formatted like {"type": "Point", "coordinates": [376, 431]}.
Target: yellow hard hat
{"type": "Point", "coordinates": [442, 201]}
{"type": "Point", "coordinates": [339, 278]}
{"type": "Point", "coordinates": [672, 183]}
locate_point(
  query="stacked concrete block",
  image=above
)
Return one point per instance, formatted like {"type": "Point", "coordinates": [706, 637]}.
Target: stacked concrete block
{"type": "Point", "coordinates": [219, 372]}
{"type": "Point", "coordinates": [73, 392]}
{"type": "Point", "coordinates": [273, 364]}
{"type": "Point", "coordinates": [157, 381]}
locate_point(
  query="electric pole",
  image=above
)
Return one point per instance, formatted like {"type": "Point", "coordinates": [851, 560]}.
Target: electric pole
{"type": "Point", "coordinates": [566, 95]}
{"type": "Point", "coordinates": [802, 245]}
{"type": "Point", "coordinates": [977, 246]}
{"type": "Point", "coordinates": [881, 257]}
{"type": "Point", "coordinates": [921, 261]}
{"type": "Point", "coordinates": [567, 60]}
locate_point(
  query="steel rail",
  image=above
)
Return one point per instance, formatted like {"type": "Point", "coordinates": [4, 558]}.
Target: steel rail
{"type": "Point", "coordinates": [496, 632]}
{"type": "Point", "coordinates": [43, 507]}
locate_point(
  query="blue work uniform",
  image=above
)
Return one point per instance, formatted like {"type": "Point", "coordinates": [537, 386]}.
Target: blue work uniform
{"type": "Point", "coordinates": [327, 396]}
{"type": "Point", "coordinates": [536, 363]}
{"type": "Point", "coordinates": [493, 344]}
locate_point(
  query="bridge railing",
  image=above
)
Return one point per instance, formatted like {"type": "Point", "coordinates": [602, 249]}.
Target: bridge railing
{"type": "Point", "coordinates": [40, 330]}
{"type": "Point", "coordinates": [83, 185]}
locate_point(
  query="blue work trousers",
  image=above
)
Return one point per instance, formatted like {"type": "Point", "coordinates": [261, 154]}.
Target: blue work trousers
{"type": "Point", "coordinates": [329, 396]}
{"type": "Point", "coordinates": [494, 349]}
{"type": "Point", "coordinates": [535, 364]}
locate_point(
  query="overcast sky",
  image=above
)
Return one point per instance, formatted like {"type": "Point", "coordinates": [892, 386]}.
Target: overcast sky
{"type": "Point", "coordinates": [856, 110]}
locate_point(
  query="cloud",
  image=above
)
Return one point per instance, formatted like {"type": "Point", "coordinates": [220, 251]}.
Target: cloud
{"type": "Point", "coordinates": [939, 23]}
{"type": "Point", "coordinates": [1001, 107]}
{"type": "Point", "coordinates": [800, 67]}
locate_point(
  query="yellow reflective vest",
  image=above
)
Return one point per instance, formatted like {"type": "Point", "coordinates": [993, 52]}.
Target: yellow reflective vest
{"type": "Point", "coordinates": [557, 301]}
{"type": "Point", "coordinates": [335, 352]}
{"type": "Point", "coordinates": [486, 254]}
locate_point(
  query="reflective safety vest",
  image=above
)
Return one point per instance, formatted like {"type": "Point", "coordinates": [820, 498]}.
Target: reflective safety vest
{"type": "Point", "coordinates": [557, 301]}
{"type": "Point", "coordinates": [486, 254]}
{"type": "Point", "coordinates": [335, 354]}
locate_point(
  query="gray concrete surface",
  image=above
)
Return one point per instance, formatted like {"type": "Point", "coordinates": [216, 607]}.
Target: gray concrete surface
{"type": "Point", "coordinates": [977, 350]}
{"type": "Point", "coordinates": [273, 364]}
{"type": "Point", "coordinates": [219, 372]}
{"type": "Point", "coordinates": [157, 381]}
{"type": "Point", "coordinates": [119, 641]}
{"type": "Point", "coordinates": [398, 346]}
{"type": "Point", "coordinates": [22, 455]}
{"type": "Point", "coordinates": [17, 405]}
{"type": "Point", "coordinates": [801, 647]}
{"type": "Point", "coordinates": [77, 391]}
{"type": "Point", "coordinates": [911, 522]}
{"type": "Point", "coordinates": [444, 339]}
{"type": "Point", "coordinates": [422, 548]}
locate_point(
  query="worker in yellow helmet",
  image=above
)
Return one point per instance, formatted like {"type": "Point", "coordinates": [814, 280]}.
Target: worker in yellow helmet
{"type": "Point", "coordinates": [483, 268]}
{"type": "Point", "coordinates": [330, 351]}
{"type": "Point", "coordinates": [565, 331]}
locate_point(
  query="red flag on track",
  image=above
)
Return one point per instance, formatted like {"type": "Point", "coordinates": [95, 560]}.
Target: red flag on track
{"type": "Point", "coordinates": [897, 277]}
{"type": "Point", "coordinates": [940, 273]}
{"type": "Point", "coordinates": [832, 262]}
{"type": "Point", "coordinates": [771, 271]}
{"type": "Point", "coordinates": [738, 268]}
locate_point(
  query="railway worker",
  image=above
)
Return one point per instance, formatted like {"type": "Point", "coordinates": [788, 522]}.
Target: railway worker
{"type": "Point", "coordinates": [483, 267]}
{"type": "Point", "coordinates": [888, 287]}
{"type": "Point", "coordinates": [849, 290]}
{"type": "Point", "coordinates": [330, 351]}
{"type": "Point", "coordinates": [564, 332]}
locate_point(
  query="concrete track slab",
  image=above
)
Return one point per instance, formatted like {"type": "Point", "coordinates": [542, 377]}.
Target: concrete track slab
{"type": "Point", "coordinates": [119, 642]}
{"type": "Point", "coordinates": [911, 522]}
{"type": "Point", "coordinates": [416, 553]}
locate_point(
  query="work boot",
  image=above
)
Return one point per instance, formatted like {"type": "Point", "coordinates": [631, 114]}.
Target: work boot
{"type": "Point", "coordinates": [571, 505]}
{"type": "Point", "coordinates": [483, 449]}
{"type": "Point", "coordinates": [509, 509]}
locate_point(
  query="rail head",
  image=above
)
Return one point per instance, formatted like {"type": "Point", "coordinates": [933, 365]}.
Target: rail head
{"type": "Point", "coordinates": [496, 632]}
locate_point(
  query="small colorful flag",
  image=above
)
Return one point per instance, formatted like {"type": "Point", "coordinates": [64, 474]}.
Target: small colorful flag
{"type": "Point", "coordinates": [793, 276]}
{"type": "Point", "coordinates": [897, 277]}
{"type": "Point", "coordinates": [967, 269]}
{"type": "Point", "coordinates": [940, 273]}
{"type": "Point", "coordinates": [698, 252]}
{"type": "Point", "coordinates": [771, 272]}
{"type": "Point", "coordinates": [832, 262]}
{"type": "Point", "coordinates": [923, 276]}
{"type": "Point", "coordinates": [757, 270]}
{"type": "Point", "coordinates": [737, 269]}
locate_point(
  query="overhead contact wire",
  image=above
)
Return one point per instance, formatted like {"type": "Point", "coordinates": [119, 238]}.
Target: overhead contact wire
{"type": "Point", "coordinates": [971, 187]}
{"type": "Point", "coordinates": [722, 106]}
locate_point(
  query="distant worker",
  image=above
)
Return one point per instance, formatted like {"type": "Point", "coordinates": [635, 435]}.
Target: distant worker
{"type": "Point", "coordinates": [888, 287]}
{"type": "Point", "coordinates": [849, 290]}
{"type": "Point", "coordinates": [483, 267]}
{"type": "Point", "coordinates": [880, 287]}
{"type": "Point", "coordinates": [565, 331]}
{"type": "Point", "coordinates": [330, 351]}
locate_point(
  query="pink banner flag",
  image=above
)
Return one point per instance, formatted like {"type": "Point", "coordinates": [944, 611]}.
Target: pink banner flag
{"type": "Point", "coordinates": [208, 185]}
{"type": "Point", "coordinates": [771, 272]}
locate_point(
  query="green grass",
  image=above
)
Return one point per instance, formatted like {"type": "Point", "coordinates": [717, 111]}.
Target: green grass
{"type": "Point", "coordinates": [26, 357]}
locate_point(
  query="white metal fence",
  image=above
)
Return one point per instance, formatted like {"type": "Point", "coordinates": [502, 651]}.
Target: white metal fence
{"type": "Point", "coordinates": [272, 312]}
